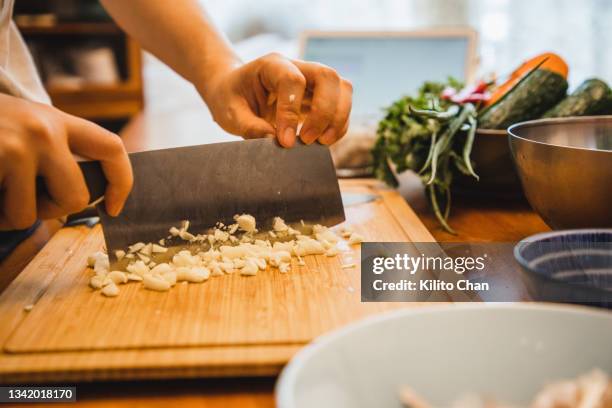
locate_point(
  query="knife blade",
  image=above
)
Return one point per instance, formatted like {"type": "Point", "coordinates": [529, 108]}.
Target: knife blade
{"type": "Point", "coordinates": [211, 183]}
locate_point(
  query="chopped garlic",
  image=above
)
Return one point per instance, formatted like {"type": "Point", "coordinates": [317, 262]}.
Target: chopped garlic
{"type": "Point", "coordinates": [183, 258]}
{"type": "Point", "coordinates": [28, 308]}
{"type": "Point", "coordinates": [194, 275]}
{"type": "Point", "coordinates": [260, 262]}
{"type": "Point", "coordinates": [134, 277]}
{"type": "Point", "coordinates": [143, 258]}
{"type": "Point", "coordinates": [345, 232]}
{"type": "Point", "coordinates": [187, 236]}
{"type": "Point", "coordinates": [246, 223]}
{"type": "Point", "coordinates": [199, 275]}
{"type": "Point", "coordinates": [215, 269]}
{"type": "Point", "coordinates": [250, 268]}
{"type": "Point", "coordinates": [95, 258]}
{"type": "Point", "coordinates": [284, 246]}
{"type": "Point", "coordinates": [278, 224]}
{"type": "Point", "coordinates": [232, 252]}
{"type": "Point", "coordinates": [221, 235]}
{"type": "Point", "coordinates": [332, 251]}
{"type": "Point", "coordinates": [228, 267]}
{"type": "Point", "coordinates": [318, 229]}
{"type": "Point", "coordinates": [119, 254]}
{"type": "Point", "coordinates": [227, 254]}
{"type": "Point", "coordinates": [154, 282]}
{"type": "Point", "coordinates": [169, 277]}
{"type": "Point", "coordinates": [147, 250]}
{"type": "Point", "coordinates": [355, 238]}
{"type": "Point", "coordinates": [118, 277]}
{"type": "Point", "coordinates": [292, 231]}
{"type": "Point", "coordinates": [100, 263]}
{"type": "Point", "coordinates": [110, 290]}
{"type": "Point", "coordinates": [161, 269]}
{"type": "Point", "coordinates": [96, 282]}
{"type": "Point", "coordinates": [327, 236]}
{"type": "Point", "coordinates": [136, 247]}
{"type": "Point", "coordinates": [279, 257]}
{"type": "Point", "coordinates": [309, 246]}
{"type": "Point", "coordinates": [284, 267]}
{"type": "Point", "coordinates": [301, 261]}
{"type": "Point", "coordinates": [139, 268]}
{"type": "Point", "coordinates": [326, 244]}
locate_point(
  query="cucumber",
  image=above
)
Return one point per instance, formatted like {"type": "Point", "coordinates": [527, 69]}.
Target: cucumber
{"type": "Point", "coordinates": [592, 97]}
{"type": "Point", "coordinates": [528, 100]}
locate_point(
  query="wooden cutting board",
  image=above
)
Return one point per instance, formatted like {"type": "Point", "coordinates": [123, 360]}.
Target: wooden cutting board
{"type": "Point", "coordinates": [229, 325]}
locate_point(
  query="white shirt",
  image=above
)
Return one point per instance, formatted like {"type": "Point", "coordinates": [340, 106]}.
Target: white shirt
{"type": "Point", "coordinates": [18, 75]}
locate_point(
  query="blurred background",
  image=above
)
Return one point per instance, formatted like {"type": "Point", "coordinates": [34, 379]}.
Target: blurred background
{"type": "Point", "coordinates": [93, 70]}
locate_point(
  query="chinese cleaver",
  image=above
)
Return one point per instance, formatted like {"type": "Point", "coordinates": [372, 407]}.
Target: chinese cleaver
{"type": "Point", "coordinates": [209, 183]}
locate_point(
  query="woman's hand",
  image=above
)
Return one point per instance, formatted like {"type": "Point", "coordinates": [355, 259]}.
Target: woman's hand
{"type": "Point", "coordinates": [39, 140]}
{"type": "Point", "coordinates": [271, 95]}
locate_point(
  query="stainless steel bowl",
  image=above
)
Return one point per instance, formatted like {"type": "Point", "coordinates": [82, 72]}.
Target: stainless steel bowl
{"type": "Point", "coordinates": [565, 167]}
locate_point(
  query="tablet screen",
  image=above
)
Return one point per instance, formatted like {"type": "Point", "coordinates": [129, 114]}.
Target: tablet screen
{"type": "Point", "coordinates": [382, 69]}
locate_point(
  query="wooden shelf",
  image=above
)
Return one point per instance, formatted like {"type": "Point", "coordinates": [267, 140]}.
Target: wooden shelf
{"type": "Point", "coordinates": [86, 28]}
{"type": "Point", "coordinates": [93, 102]}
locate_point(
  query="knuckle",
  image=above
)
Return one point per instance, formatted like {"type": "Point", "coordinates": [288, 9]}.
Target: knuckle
{"type": "Point", "coordinates": [14, 149]}
{"type": "Point", "coordinates": [115, 146]}
{"type": "Point", "coordinates": [295, 78]}
{"type": "Point", "coordinates": [77, 201]}
{"type": "Point", "coordinates": [43, 129]}
{"type": "Point", "coordinates": [329, 74]}
{"type": "Point", "coordinates": [323, 116]}
{"type": "Point", "coordinates": [272, 56]}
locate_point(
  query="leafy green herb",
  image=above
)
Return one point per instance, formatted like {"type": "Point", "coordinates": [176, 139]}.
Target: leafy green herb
{"type": "Point", "coordinates": [431, 137]}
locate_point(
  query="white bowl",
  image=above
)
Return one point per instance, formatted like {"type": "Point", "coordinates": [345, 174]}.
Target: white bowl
{"type": "Point", "coordinates": [508, 351]}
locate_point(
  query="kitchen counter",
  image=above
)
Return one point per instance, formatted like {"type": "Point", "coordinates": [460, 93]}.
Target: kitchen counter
{"type": "Point", "coordinates": [476, 220]}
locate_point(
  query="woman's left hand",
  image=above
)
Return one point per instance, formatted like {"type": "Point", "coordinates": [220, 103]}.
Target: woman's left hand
{"type": "Point", "coordinates": [268, 97]}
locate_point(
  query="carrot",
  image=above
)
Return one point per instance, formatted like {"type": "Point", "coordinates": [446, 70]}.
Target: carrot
{"type": "Point", "coordinates": [552, 62]}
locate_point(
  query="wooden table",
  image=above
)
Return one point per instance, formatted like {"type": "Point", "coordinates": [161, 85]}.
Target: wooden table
{"type": "Point", "coordinates": [478, 220]}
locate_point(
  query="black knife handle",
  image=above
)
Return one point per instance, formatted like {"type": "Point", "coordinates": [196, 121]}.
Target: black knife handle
{"type": "Point", "coordinates": [94, 179]}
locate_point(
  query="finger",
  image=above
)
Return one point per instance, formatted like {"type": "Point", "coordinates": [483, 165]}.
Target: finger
{"type": "Point", "coordinates": [249, 125]}
{"type": "Point", "coordinates": [90, 140]}
{"type": "Point", "coordinates": [340, 123]}
{"type": "Point", "coordinates": [325, 83]}
{"type": "Point", "coordinates": [281, 76]}
{"type": "Point", "coordinates": [65, 185]}
{"type": "Point", "coordinates": [19, 196]}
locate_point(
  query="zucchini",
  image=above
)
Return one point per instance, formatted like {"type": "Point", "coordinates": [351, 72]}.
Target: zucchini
{"type": "Point", "coordinates": [538, 93]}
{"type": "Point", "coordinates": [592, 97]}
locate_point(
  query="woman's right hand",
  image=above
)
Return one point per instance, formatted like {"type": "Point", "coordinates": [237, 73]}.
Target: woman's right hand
{"type": "Point", "coordinates": [39, 140]}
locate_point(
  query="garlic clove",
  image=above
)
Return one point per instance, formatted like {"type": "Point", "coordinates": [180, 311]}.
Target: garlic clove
{"type": "Point", "coordinates": [110, 290]}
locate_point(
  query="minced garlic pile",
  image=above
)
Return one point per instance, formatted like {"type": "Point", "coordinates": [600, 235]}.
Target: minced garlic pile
{"type": "Point", "coordinates": [239, 247]}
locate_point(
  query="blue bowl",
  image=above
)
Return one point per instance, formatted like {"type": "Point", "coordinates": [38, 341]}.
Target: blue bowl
{"type": "Point", "coordinates": [573, 266]}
